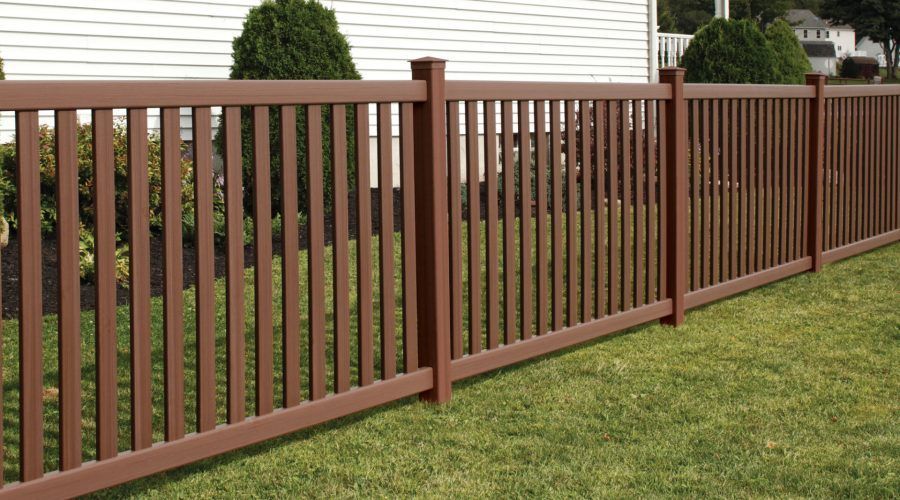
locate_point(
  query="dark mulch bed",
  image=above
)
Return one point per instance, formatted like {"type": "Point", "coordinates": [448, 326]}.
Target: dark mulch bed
{"type": "Point", "coordinates": [10, 262]}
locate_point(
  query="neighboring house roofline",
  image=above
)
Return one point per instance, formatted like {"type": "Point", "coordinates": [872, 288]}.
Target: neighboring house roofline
{"type": "Point", "coordinates": [804, 18]}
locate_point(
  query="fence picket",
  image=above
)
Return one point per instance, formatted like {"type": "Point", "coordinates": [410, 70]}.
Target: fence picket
{"type": "Point", "coordinates": [290, 258]}
{"type": "Point", "coordinates": [743, 244]}
{"type": "Point", "coordinates": [652, 193]}
{"type": "Point", "coordinates": [638, 204]}
{"type": "Point", "coordinates": [410, 285]}
{"type": "Point", "coordinates": [540, 181]}
{"type": "Point", "coordinates": [262, 261]}
{"type": "Point", "coordinates": [600, 240]}
{"type": "Point", "coordinates": [586, 211]}
{"type": "Point", "coordinates": [28, 211]}
{"type": "Point", "coordinates": [205, 265]}
{"type": "Point", "coordinates": [365, 315]}
{"type": "Point", "coordinates": [386, 243]}
{"type": "Point", "coordinates": [491, 254]}
{"type": "Point", "coordinates": [556, 214]}
{"type": "Point", "coordinates": [139, 286]}
{"type": "Point", "coordinates": [173, 302]}
{"type": "Point", "coordinates": [571, 209]}
{"type": "Point", "coordinates": [473, 193]}
{"type": "Point", "coordinates": [733, 181]}
{"type": "Point", "coordinates": [234, 272]}
{"type": "Point", "coordinates": [615, 109]}
{"type": "Point", "coordinates": [340, 260]}
{"type": "Point", "coordinates": [627, 207]}
{"type": "Point", "coordinates": [69, 291]}
{"type": "Point", "coordinates": [509, 223]}
{"type": "Point", "coordinates": [455, 204]}
{"type": "Point", "coordinates": [316, 266]}
{"type": "Point", "coordinates": [105, 283]}
{"type": "Point", "coordinates": [526, 292]}
{"type": "Point", "coordinates": [695, 194]}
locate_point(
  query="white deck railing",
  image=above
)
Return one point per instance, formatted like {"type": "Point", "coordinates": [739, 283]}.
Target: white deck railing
{"type": "Point", "coordinates": [672, 47]}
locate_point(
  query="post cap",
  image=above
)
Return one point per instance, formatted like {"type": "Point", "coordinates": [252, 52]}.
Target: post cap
{"type": "Point", "coordinates": [428, 62]}
{"type": "Point", "coordinates": [812, 77]}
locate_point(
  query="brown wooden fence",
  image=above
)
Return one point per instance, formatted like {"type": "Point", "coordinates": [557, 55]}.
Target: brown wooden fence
{"type": "Point", "coordinates": [602, 206]}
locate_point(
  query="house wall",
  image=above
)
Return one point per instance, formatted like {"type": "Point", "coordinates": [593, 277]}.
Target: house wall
{"type": "Point", "coordinates": [564, 40]}
{"type": "Point", "coordinates": [844, 40]}
{"type": "Point", "coordinates": [825, 65]}
{"type": "Point", "coordinates": [869, 48]}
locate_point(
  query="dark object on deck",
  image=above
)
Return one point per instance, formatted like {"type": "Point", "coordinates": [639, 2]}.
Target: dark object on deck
{"type": "Point", "coordinates": [859, 67]}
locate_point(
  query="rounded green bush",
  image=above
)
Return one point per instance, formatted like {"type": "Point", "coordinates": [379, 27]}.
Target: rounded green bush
{"type": "Point", "coordinates": [2, 74]}
{"type": "Point", "coordinates": [292, 40]}
{"type": "Point", "coordinates": [791, 62]}
{"type": "Point", "coordinates": [730, 51]}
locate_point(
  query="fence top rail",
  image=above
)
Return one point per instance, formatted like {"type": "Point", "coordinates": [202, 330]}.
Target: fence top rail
{"type": "Point", "coordinates": [26, 95]}
{"type": "Point", "coordinates": [748, 91]}
{"type": "Point", "coordinates": [862, 90]}
{"type": "Point", "coordinates": [465, 90]}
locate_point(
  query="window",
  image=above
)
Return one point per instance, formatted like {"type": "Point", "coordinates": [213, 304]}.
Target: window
{"type": "Point", "coordinates": [818, 33]}
{"type": "Point", "coordinates": [840, 48]}
{"type": "Point", "coordinates": [827, 34]}
{"type": "Point", "coordinates": [805, 34]}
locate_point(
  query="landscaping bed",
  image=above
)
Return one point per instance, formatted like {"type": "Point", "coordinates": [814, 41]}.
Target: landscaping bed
{"type": "Point", "coordinates": [10, 261]}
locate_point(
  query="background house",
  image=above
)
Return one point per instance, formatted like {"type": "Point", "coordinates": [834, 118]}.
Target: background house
{"type": "Point", "coordinates": [810, 27]}
{"type": "Point", "coordinates": [821, 56]}
{"type": "Point", "coordinates": [866, 47]}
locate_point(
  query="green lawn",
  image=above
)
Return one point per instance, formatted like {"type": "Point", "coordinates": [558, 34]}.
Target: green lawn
{"type": "Point", "coordinates": [787, 390]}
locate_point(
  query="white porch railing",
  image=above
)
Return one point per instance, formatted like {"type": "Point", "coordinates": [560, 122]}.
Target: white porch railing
{"type": "Point", "coordinates": [672, 47]}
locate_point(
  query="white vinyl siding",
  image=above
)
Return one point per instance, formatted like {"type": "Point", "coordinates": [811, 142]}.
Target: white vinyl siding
{"type": "Point", "coordinates": [559, 40]}
{"type": "Point", "coordinates": [563, 40]}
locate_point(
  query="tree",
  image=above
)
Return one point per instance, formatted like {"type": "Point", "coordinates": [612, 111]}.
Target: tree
{"type": "Point", "coordinates": [664, 17]}
{"type": "Point", "coordinates": [812, 5]}
{"type": "Point", "coordinates": [877, 19]}
{"type": "Point", "coordinates": [730, 51]}
{"type": "Point", "coordinates": [690, 14]}
{"type": "Point", "coordinates": [791, 62]}
{"type": "Point", "coordinates": [762, 12]}
{"type": "Point", "coordinates": [291, 40]}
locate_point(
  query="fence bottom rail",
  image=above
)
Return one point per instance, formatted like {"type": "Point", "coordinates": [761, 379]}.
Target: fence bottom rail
{"type": "Point", "coordinates": [132, 465]}
{"type": "Point", "coordinates": [536, 346]}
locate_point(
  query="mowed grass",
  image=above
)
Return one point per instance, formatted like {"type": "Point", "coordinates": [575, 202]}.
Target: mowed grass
{"type": "Point", "coordinates": [787, 390]}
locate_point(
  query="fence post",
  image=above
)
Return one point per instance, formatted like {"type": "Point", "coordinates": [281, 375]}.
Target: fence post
{"type": "Point", "coordinates": [676, 194]}
{"type": "Point", "coordinates": [816, 164]}
{"type": "Point", "coordinates": [432, 229]}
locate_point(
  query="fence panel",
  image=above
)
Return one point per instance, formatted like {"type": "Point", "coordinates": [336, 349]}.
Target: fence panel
{"type": "Point", "coordinates": [585, 159]}
{"type": "Point", "coordinates": [748, 187]}
{"type": "Point", "coordinates": [861, 172]}
{"type": "Point", "coordinates": [203, 386]}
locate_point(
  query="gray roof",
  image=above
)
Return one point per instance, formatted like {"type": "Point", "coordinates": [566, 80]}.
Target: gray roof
{"type": "Point", "coordinates": [804, 18]}
{"type": "Point", "coordinates": [819, 49]}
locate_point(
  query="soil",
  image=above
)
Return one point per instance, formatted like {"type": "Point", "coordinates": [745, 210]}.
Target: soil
{"type": "Point", "coordinates": [9, 261]}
